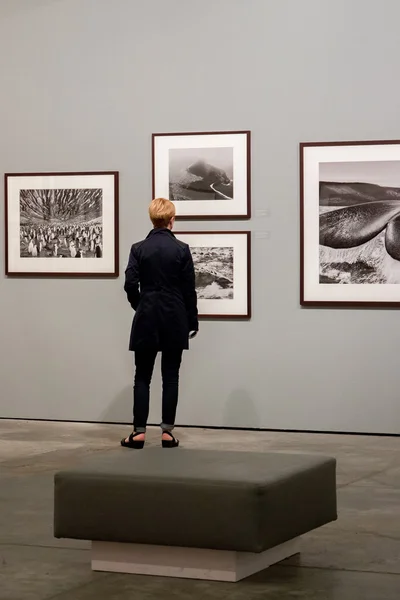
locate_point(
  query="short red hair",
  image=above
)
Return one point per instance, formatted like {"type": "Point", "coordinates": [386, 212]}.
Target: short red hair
{"type": "Point", "coordinates": [161, 212]}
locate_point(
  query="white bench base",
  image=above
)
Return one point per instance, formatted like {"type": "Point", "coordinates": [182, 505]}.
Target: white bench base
{"type": "Point", "coordinates": [191, 563]}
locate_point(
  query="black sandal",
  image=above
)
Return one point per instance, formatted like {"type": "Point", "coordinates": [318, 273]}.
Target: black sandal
{"type": "Point", "coordinates": [132, 443]}
{"type": "Point", "coordinates": [172, 443]}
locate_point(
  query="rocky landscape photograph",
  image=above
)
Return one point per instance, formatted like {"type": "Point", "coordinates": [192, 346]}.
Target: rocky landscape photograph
{"type": "Point", "coordinates": [214, 272]}
{"type": "Point", "coordinates": [222, 265]}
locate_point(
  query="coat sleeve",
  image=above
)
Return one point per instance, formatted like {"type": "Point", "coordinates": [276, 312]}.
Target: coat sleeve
{"type": "Point", "coordinates": [189, 290]}
{"type": "Point", "coordinates": [131, 286]}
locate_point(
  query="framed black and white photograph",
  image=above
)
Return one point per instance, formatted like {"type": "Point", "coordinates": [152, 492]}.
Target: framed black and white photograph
{"type": "Point", "coordinates": [54, 218]}
{"type": "Point", "coordinates": [223, 272]}
{"type": "Point", "coordinates": [350, 223]}
{"type": "Point", "coordinates": [206, 175]}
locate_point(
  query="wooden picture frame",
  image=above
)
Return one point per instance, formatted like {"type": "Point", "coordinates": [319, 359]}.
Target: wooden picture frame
{"type": "Point", "coordinates": [223, 281]}
{"type": "Point", "coordinates": [350, 223]}
{"type": "Point", "coordinates": [61, 215]}
{"type": "Point", "coordinates": [206, 174]}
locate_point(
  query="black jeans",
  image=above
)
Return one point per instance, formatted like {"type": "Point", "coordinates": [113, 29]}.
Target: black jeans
{"type": "Point", "coordinates": [170, 364]}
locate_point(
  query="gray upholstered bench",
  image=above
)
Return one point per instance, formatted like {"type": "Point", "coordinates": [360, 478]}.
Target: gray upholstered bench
{"type": "Point", "coordinates": [193, 513]}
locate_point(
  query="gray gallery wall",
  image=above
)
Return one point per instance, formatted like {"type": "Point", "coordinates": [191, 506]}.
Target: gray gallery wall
{"type": "Point", "coordinates": [84, 83]}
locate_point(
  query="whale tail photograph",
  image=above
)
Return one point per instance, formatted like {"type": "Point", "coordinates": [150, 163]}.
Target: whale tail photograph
{"type": "Point", "coordinates": [200, 174]}
{"type": "Point", "coordinates": [359, 222]}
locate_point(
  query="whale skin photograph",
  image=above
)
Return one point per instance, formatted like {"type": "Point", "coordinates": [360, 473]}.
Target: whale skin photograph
{"type": "Point", "coordinates": [350, 214]}
{"type": "Point", "coordinates": [206, 174]}
{"type": "Point", "coordinates": [359, 222]}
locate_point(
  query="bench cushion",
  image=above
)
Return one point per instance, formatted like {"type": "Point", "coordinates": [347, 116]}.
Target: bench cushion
{"type": "Point", "coordinates": [241, 501]}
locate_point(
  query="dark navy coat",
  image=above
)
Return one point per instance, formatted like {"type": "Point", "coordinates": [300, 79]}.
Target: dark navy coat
{"type": "Point", "coordinates": [160, 285]}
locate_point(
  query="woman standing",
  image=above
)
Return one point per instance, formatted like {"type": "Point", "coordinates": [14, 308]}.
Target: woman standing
{"type": "Point", "coordinates": [160, 286]}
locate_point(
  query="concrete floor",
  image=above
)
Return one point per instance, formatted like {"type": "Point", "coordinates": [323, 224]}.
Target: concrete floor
{"type": "Point", "coordinates": [356, 558]}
